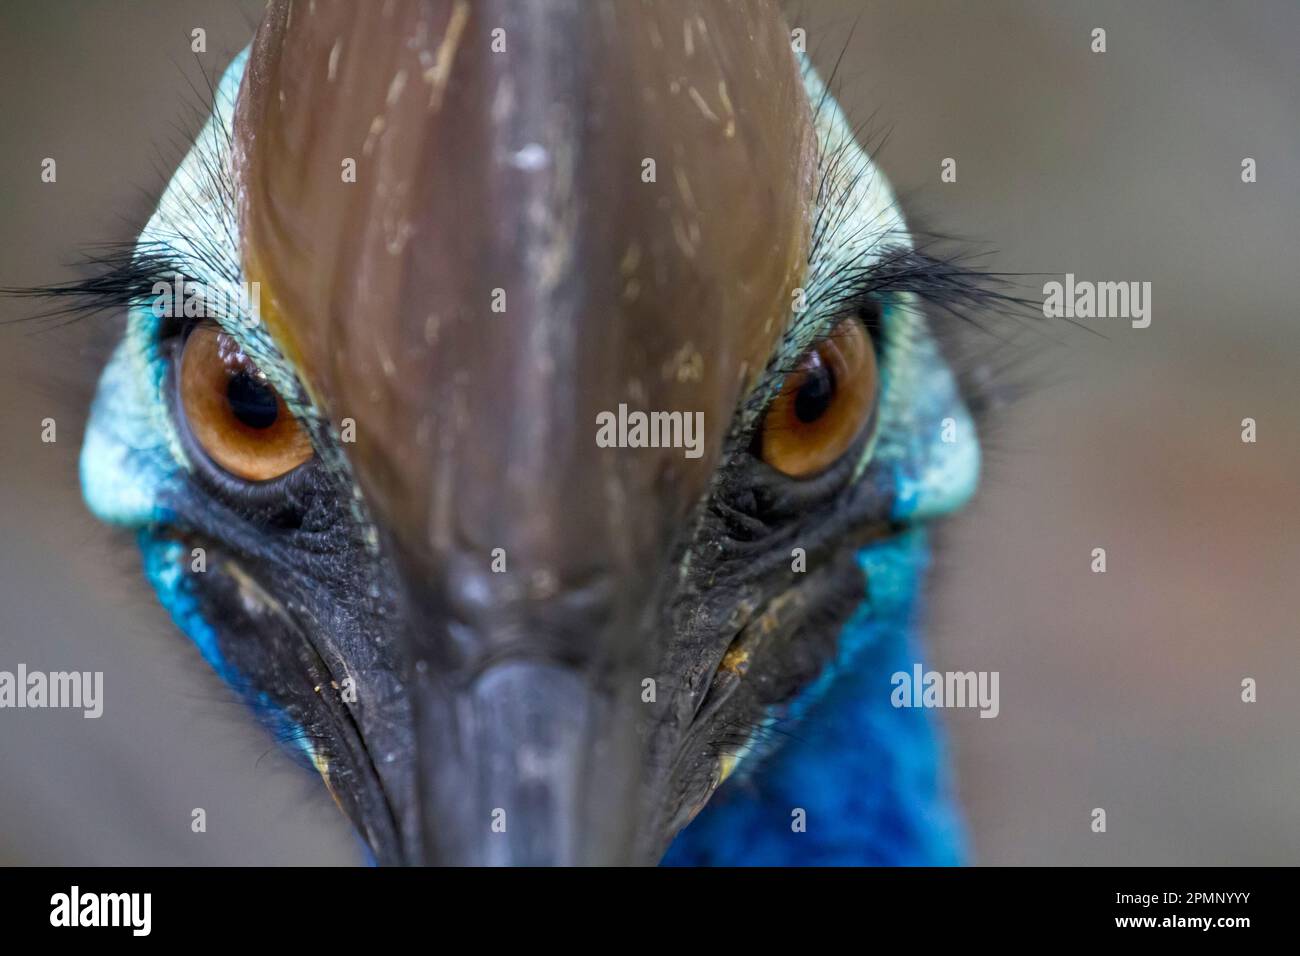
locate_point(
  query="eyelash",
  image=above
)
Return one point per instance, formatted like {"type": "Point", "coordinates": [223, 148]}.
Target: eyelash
{"type": "Point", "coordinates": [123, 277]}
{"type": "Point", "coordinates": [124, 274]}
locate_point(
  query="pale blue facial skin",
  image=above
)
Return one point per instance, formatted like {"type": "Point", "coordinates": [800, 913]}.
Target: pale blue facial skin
{"type": "Point", "coordinates": [132, 458]}
{"type": "Point", "coordinates": [132, 451]}
{"type": "Point", "coordinates": [871, 778]}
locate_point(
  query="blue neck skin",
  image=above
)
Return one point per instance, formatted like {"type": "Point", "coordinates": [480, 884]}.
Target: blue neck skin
{"type": "Point", "coordinates": [870, 777]}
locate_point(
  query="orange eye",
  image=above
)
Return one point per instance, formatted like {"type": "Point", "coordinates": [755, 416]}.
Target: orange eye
{"type": "Point", "coordinates": [235, 413]}
{"type": "Point", "coordinates": [823, 405]}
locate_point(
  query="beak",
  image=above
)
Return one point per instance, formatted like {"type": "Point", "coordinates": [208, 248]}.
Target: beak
{"type": "Point", "coordinates": [525, 708]}
{"type": "Point", "coordinates": [527, 763]}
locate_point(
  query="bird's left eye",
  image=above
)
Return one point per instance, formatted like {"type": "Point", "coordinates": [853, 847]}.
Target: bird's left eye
{"type": "Point", "coordinates": [823, 405]}
{"type": "Point", "coordinates": [234, 413]}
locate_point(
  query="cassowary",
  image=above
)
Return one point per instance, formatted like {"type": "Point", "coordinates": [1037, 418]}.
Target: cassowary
{"type": "Point", "coordinates": [428, 492]}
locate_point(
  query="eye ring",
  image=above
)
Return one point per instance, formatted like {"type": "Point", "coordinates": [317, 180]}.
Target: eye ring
{"type": "Point", "coordinates": [823, 405]}
{"type": "Point", "coordinates": [236, 417]}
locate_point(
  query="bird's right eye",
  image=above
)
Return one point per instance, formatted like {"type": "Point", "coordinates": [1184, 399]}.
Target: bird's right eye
{"type": "Point", "coordinates": [236, 416]}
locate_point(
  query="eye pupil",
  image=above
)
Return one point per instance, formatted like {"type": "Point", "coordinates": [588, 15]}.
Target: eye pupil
{"type": "Point", "coordinates": [251, 401]}
{"type": "Point", "coordinates": [815, 394]}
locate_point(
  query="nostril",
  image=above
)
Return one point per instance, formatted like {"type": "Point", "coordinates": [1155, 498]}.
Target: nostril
{"type": "Point", "coordinates": [476, 584]}
{"type": "Point", "coordinates": [471, 592]}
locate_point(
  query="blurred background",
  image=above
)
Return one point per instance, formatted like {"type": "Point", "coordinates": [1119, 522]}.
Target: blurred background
{"type": "Point", "coordinates": [1118, 690]}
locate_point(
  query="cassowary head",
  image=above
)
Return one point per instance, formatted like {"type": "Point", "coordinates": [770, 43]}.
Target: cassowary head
{"type": "Point", "coordinates": [572, 448]}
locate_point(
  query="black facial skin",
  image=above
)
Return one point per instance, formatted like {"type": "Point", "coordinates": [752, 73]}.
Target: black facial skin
{"type": "Point", "coordinates": [314, 621]}
{"type": "Point", "coordinates": [743, 596]}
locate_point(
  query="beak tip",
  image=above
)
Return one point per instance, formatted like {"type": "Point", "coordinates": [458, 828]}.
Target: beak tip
{"type": "Point", "coordinates": [506, 774]}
